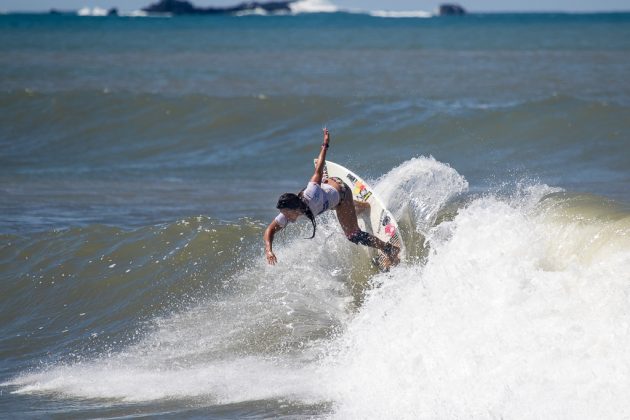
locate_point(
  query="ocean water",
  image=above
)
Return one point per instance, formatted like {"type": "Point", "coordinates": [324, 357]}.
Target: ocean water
{"type": "Point", "coordinates": [141, 159]}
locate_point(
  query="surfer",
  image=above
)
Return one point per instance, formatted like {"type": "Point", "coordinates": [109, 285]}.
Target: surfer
{"type": "Point", "coordinates": [322, 194]}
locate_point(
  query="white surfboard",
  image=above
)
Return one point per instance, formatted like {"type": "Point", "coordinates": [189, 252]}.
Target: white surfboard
{"type": "Point", "coordinates": [376, 219]}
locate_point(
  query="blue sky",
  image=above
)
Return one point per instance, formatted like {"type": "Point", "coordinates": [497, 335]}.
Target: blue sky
{"type": "Point", "coordinates": [473, 5]}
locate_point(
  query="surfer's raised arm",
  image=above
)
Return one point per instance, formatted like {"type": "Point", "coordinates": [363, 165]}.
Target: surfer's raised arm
{"type": "Point", "coordinates": [292, 206]}
{"type": "Point", "coordinates": [321, 159]}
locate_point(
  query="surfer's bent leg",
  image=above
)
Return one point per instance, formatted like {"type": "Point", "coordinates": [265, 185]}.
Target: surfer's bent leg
{"type": "Point", "coordinates": [364, 238]}
{"type": "Point", "coordinates": [347, 216]}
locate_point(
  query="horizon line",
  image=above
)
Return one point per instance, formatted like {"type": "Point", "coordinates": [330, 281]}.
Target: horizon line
{"type": "Point", "coordinates": [469, 12]}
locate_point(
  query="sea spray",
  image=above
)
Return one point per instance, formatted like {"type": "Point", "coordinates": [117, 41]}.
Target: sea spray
{"type": "Point", "coordinates": [251, 339]}
{"type": "Point", "coordinates": [421, 185]}
{"type": "Point", "coordinates": [415, 192]}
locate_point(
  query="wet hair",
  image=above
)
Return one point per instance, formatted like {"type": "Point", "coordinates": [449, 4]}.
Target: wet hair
{"type": "Point", "coordinates": [292, 201]}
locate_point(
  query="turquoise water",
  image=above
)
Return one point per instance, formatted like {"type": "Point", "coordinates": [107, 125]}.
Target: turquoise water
{"type": "Point", "coordinates": [141, 159]}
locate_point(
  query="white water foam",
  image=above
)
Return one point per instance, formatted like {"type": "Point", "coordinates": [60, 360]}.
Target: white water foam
{"type": "Point", "coordinates": [511, 317]}
{"type": "Point", "coordinates": [218, 382]}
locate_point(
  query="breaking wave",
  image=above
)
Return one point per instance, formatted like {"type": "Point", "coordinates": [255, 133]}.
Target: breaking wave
{"type": "Point", "coordinates": [513, 306]}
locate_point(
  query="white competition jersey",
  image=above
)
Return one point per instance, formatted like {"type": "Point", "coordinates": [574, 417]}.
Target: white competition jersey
{"type": "Point", "coordinates": [319, 198]}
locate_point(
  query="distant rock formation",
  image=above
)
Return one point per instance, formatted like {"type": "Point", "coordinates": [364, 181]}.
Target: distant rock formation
{"type": "Point", "coordinates": [179, 7]}
{"type": "Point", "coordinates": [451, 9]}
{"type": "Point", "coordinates": [112, 12]}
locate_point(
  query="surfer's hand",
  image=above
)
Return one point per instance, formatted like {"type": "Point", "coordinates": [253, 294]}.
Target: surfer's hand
{"type": "Point", "coordinates": [271, 258]}
{"type": "Point", "coordinates": [326, 136]}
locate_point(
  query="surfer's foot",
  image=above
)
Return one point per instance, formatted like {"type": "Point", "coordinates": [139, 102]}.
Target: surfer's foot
{"type": "Point", "coordinates": [392, 252]}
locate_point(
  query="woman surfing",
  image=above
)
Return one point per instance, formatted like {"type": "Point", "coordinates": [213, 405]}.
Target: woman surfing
{"type": "Point", "coordinates": [322, 194]}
